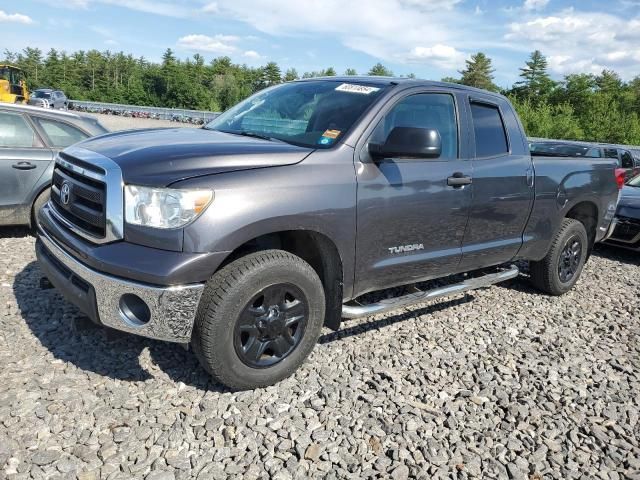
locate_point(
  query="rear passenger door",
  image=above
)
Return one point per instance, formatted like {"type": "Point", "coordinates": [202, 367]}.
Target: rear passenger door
{"type": "Point", "coordinates": [503, 181]}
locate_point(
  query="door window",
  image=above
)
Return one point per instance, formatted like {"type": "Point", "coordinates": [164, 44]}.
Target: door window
{"type": "Point", "coordinates": [424, 110]}
{"type": "Point", "coordinates": [60, 135]}
{"type": "Point", "coordinates": [16, 132]}
{"type": "Point", "coordinates": [626, 159]}
{"type": "Point", "coordinates": [491, 137]}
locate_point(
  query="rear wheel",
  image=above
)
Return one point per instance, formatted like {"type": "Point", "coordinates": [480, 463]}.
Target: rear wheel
{"type": "Point", "coordinates": [559, 271]}
{"type": "Point", "coordinates": [258, 319]}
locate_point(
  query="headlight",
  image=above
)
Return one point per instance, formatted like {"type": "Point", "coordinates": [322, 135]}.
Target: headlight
{"type": "Point", "coordinates": [164, 207]}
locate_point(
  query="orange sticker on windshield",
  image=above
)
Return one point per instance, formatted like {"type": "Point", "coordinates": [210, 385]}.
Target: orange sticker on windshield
{"type": "Point", "coordinates": [331, 133]}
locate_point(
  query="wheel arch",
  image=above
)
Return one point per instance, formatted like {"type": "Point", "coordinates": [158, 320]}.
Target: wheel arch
{"type": "Point", "coordinates": [318, 250]}
{"type": "Point", "coordinates": [586, 212]}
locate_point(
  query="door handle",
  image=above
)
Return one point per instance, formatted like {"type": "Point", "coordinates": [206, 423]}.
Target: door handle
{"type": "Point", "coordinates": [24, 166]}
{"type": "Point", "coordinates": [458, 180]}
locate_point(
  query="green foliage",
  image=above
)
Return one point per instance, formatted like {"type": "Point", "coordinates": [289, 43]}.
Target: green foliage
{"type": "Point", "coordinates": [479, 73]}
{"type": "Point", "coordinates": [536, 84]}
{"type": "Point", "coordinates": [581, 107]}
{"type": "Point", "coordinates": [380, 70]}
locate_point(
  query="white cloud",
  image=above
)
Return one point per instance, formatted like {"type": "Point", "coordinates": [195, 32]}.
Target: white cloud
{"type": "Point", "coordinates": [252, 54]}
{"type": "Point", "coordinates": [210, 8]}
{"type": "Point", "coordinates": [444, 56]}
{"type": "Point", "coordinates": [167, 9]}
{"type": "Point", "coordinates": [415, 31]}
{"type": "Point", "coordinates": [535, 4]}
{"type": "Point", "coordinates": [577, 41]}
{"type": "Point", "coordinates": [218, 44]}
{"type": "Point", "coordinates": [15, 18]}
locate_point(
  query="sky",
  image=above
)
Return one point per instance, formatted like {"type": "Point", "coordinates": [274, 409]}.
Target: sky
{"type": "Point", "coordinates": [431, 38]}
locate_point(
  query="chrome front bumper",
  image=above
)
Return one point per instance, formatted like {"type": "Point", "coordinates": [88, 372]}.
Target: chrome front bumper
{"type": "Point", "coordinates": [171, 310]}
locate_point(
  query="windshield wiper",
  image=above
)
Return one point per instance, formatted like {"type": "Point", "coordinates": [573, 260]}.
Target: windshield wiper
{"type": "Point", "coordinates": [244, 133]}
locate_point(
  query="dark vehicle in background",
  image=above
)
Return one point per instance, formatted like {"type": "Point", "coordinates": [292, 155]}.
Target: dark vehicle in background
{"type": "Point", "coordinates": [49, 98]}
{"type": "Point", "coordinates": [555, 148]}
{"type": "Point", "coordinates": [627, 230]}
{"type": "Point", "coordinates": [626, 163]}
{"type": "Point", "coordinates": [246, 237]}
{"type": "Point", "coordinates": [29, 141]}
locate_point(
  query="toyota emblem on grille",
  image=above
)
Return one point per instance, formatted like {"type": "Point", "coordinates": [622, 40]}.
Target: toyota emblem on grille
{"type": "Point", "coordinates": [65, 193]}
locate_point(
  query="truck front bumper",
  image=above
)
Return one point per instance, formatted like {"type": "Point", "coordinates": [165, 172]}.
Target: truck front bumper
{"type": "Point", "coordinates": [163, 313]}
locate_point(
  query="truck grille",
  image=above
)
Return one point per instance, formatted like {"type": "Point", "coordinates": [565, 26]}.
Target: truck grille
{"type": "Point", "coordinates": [86, 195]}
{"type": "Point", "coordinates": [80, 200]}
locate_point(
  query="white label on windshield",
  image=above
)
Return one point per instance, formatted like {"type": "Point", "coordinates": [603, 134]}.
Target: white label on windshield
{"type": "Point", "coordinates": [352, 88]}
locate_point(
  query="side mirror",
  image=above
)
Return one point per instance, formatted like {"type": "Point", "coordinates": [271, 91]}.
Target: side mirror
{"type": "Point", "coordinates": [408, 142]}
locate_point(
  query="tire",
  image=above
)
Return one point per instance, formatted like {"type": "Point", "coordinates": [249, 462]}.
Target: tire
{"type": "Point", "coordinates": [559, 271]}
{"type": "Point", "coordinates": [243, 310]}
{"type": "Point", "coordinates": [40, 200]}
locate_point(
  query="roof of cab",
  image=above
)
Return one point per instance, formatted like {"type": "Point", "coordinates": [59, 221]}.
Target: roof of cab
{"type": "Point", "coordinates": [404, 81]}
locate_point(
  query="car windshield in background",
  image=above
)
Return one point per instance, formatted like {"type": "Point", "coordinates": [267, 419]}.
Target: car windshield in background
{"type": "Point", "coordinates": [564, 150]}
{"type": "Point", "coordinates": [634, 182]}
{"type": "Point", "coordinates": [311, 113]}
{"type": "Point", "coordinates": [39, 94]}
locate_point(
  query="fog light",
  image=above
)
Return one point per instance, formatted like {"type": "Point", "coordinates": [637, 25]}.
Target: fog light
{"type": "Point", "coordinates": [133, 310]}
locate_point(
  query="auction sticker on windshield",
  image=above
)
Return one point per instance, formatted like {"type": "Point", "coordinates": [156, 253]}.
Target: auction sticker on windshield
{"type": "Point", "coordinates": [352, 88]}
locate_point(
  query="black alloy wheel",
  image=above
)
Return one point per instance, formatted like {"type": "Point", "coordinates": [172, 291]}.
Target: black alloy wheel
{"type": "Point", "coordinates": [570, 259]}
{"type": "Point", "coordinates": [271, 325]}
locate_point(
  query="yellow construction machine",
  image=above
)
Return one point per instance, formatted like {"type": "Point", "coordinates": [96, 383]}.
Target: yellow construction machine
{"type": "Point", "coordinates": [13, 86]}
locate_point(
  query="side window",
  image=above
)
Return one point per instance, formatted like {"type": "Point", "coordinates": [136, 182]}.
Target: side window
{"type": "Point", "coordinates": [60, 135]}
{"type": "Point", "coordinates": [423, 110]}
{"type": "Point", "coordinates": [16, 132]}
{"type": "Point", "coordinates": [594, 153]}
{"type": "Point", "coordinates": [611, 153]}
{"type": "Point", "coordinates": [627, 160]}
{"type": "Point", "coordinates": [491, 137]}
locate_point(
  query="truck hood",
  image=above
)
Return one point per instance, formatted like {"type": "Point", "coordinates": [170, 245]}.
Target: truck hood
{"type": "Point", "coordinates": [629, 205]}
{"type": "Point", "coordinates": [159, 157]}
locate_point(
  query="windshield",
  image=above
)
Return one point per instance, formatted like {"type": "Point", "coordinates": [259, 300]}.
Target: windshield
{"type": "Point", "coordinates": [12, 75]}
{"type": "Point", "coordinates": [41, 94]}
{"type": "Point", "coordinates": [634, 182]}
{"type": "Point", "coordinates": [311, 114]}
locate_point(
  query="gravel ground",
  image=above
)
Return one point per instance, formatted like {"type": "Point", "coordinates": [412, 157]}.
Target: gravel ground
{"type": "Point", "coordinates": [115, 123]}
{"type": "Point", "coordinates": [504, 383]}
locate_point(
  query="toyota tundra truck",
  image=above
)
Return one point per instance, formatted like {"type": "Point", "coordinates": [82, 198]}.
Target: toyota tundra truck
{"type": "Point", "coordinates": [243, 239]}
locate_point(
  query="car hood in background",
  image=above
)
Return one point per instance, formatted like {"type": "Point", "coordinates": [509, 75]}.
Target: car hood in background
{"type": "Point", "coordinates": [629, 205]}
{"type": "Point", "coordinates": [159, 157]}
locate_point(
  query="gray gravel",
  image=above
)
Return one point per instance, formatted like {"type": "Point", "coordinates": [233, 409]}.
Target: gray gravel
{"type": "Point", "coordinates": [504, 383]}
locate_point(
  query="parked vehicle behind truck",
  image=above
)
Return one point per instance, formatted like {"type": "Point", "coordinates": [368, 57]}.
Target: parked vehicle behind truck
{"type": "Point", "coordinates": [30, 138]}
{"type": "Point", "coordinates": [246, 237]}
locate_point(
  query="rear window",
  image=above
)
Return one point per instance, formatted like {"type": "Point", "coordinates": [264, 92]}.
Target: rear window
{"type": "Point", "coordinates": [491, 137]}
{"type": "Point", "coordinates": [60, 135]}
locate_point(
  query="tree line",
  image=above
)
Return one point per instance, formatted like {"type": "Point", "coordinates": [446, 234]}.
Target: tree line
{"type": "Point", "coordinates": [583, 106]}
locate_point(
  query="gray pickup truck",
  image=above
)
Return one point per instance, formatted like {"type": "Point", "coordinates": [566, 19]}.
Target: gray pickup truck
{"type": "Point", "coordinates": [246, 237]}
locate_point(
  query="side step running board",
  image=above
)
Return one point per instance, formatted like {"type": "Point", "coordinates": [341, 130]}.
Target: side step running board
{"type": "Point", "coordinates": [356, 310]}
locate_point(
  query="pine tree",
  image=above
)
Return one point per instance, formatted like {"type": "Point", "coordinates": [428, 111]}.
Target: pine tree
{"type": "Point", "coordinates": [536, 83]}
{"type": "Point", "coordinates": [479, 73]}
{"type": "Point", "coordinates": [271, 74]}
{"type": "Point", "coordinates": [350, 72]}
{"type": "Point", "coordinates": [290, 75]}
{"type": "Point", "coordinates": [380, 70]}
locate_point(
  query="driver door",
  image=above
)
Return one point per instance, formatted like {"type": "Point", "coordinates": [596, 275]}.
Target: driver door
{"type": "Point", "coordinates": [411, 217]}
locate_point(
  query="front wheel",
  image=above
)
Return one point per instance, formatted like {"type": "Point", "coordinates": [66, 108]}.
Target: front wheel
{"type": "Point", "coordinates": [258, 319]}
{"type": "Point", "coordinates": [559, 271]}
